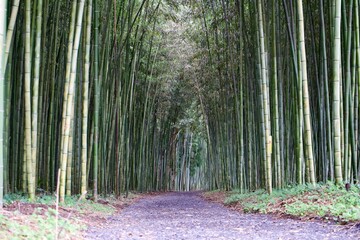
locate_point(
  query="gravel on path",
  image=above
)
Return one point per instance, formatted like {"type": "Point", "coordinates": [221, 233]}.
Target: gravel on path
{"type": "Point", "coordinates": [185, 215]}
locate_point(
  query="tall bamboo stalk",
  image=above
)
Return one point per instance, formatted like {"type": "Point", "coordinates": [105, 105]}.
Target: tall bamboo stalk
{"type": "Point", "coordinates": [307, 116]}
{"type": "Point", "coordinates": [265, 99]}
{"type": "Point", "coordinates": [97, 100]}
{"type": "Point", "coordinates": [29, 163]}
{"type": "Point", "coordinates": [69, 101]}
{"type": "Point", "coordinates": [2, 93]}
{"type": "Point", "coordinates": [35, 89]}
{"type": "Point", "coordinates": [10, 30]}
{"type": "Point", "coordinates": [337, 92]}
{"type": "Point", "coordinates": [84, 140]}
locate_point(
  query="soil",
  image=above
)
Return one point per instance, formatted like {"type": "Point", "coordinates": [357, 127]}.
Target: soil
{"type": "Point", "coordinates": [186, 215]}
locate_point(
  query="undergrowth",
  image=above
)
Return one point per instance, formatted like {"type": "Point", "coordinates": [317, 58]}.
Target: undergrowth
{"type": "Point", "coordinates": [41, 223]}
{"type": "Point", "coordinates": [72, 202]}
{"type": "Point", "coordinates": [327, 201]}
{"type": "Point", "coordinates": [37, 226]}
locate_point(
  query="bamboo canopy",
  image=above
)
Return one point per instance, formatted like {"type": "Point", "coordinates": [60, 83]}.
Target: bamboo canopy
{"type": "Point", "coordinates": [152, 95]}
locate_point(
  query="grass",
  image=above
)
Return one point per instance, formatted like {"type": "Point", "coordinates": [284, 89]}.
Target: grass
{"type": "Point", "coordinates": [37, 226]}
{"type": "Point", "coordinates": [326, 201]}
{"type": "Point", "coordinates": [24, 219]}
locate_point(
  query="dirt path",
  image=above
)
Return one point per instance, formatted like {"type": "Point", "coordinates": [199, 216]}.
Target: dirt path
{"type": "Point", "coordinates": [188, 216]}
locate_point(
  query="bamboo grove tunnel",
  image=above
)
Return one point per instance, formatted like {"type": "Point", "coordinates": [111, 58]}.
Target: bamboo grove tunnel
{"type": "Point", "coordinates": [107, 97]}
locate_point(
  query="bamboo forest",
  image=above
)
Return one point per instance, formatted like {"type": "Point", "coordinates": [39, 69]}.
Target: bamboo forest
{"type": "Point", "coordinates": [106, 97]}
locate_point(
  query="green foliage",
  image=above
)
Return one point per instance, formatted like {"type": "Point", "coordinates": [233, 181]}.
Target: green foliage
{"type": "Point", "coordinates": [70, 202]}
{"type": "Point", "coordinates": [327, 201]}
{"type": "Point", "coordinates": [41, 224]}
{"type": "Point", "coordinates": [11, 197]}
{"type": "Point", "coordinates": [37, 226]}
{"type": "Point", "coordinates": [46, 199]}
{"type": "Point", "coordinates": [21, 197]}
{"type": "Point", "coordinates": [84, 206]}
